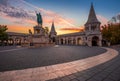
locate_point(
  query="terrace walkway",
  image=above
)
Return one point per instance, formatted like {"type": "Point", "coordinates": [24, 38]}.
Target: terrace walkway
{"type": "Point", "coordinates": [100, 67]}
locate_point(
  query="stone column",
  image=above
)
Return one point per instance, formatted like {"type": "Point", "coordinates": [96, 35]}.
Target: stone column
{"type": "Point", "coordinates": [89, 41]}
{"type": "Point", "coordinates": [59, 41]}
{"type": "Point", "coordinates": [100, 43]}
{"type": "Point", "coordinates": [100, 40]}
{"type": "Point", "coordinates": [76, 40]}
{"type": "Point", "coordinates": [66, 40]}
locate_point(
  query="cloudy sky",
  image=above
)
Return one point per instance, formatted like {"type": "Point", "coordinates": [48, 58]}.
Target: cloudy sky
{"type": "Point", "coordinates": [68, 15]}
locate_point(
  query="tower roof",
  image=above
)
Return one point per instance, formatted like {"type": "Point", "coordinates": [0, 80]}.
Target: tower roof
{"type": "Point", "coordinates": [92, 16]}
{"type": "Point", "coordinates": [53, 28]}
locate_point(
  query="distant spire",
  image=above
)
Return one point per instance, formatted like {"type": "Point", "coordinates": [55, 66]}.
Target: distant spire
{"type": "Point", "coordinates": [53, 28]}
{"type": "Point", "coordinates": [92, 16]}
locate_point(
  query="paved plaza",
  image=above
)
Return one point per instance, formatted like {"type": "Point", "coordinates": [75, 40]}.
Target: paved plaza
{"type": "Point", "coordinates": [60, 63]}
{"type": "Point", "coordinates": [14, 58]}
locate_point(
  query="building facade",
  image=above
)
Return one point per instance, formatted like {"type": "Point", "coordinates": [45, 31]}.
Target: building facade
{"type": "Point", "coordinates": [17, 38]}
{"type": "Point", "coordinates": [91, 36]}
{"type": "Point", "coordinates": [37, 38]}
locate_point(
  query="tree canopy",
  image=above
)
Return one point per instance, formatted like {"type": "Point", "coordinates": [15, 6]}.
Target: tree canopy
{"type": "Point", "coordinates": [3, 34]}
{"type": "Point", "coordinates": [111, 33]}
{"type": "Point", "coordinates": [46, 30]}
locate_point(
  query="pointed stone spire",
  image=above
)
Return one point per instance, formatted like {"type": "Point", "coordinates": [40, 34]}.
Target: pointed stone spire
{"type": "Point", "coordinates": [92, 16]}
{"type": "Point", "coordinates": [53, 32]}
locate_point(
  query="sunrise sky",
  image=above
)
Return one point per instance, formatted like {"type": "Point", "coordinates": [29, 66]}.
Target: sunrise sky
{"type": "Point", "coordinates": [68, 15]}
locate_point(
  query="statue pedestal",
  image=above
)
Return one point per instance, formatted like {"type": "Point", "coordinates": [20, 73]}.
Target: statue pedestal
{"type": "Point", "coordinates": [40, 41]}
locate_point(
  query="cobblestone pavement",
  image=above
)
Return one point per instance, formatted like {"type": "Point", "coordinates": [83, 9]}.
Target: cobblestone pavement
{"type": "Point", "coordinates": [2, 48]}
{"type": "Point", "coordinates": [14, 58]}
{"type": "Point", "coordinates": [89, 69]}
{"type": "Point", "coordinates": [109, 71]}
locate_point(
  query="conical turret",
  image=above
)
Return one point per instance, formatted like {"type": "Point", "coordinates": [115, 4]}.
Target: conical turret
{"type": "Point", "coordinates": [53, 32]}
{"type": "Point", "coordinates": [92, 16]}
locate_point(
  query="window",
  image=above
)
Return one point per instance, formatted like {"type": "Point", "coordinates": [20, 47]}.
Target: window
{"type": "Point", "coordinates": [93, 28]}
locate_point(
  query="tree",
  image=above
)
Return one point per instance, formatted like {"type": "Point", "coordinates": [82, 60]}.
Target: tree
{"type": "Point", "coordinates": [30, 32]}
{"type": "Point", "coordinates": [3, 34]}
{"type": "Point", "coordinates": [46, 30]}
{"type": "Point", "coordinates": [111, 33]}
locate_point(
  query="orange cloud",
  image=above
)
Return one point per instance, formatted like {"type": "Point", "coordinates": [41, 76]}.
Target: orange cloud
{"type": "Point", "coordinates": [18, 28]}
{"type": "Point", "coordinates": [70, 30]}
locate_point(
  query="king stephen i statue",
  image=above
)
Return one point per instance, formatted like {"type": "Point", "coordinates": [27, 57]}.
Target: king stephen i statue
{"type": "Point", "coordinates": [39, 18]}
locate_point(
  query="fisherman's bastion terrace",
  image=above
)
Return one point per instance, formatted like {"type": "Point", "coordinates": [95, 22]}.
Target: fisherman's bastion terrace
{"type": "Point", "coordinates": [59, 40]}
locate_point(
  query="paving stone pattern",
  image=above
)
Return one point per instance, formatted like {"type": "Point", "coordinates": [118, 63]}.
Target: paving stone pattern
{"type": "Point", "coordinates": [14, 58]}
{"type": "Point", "coordinates": [81, 70]}
{"type": "Point", "coordinates": [109, 71]}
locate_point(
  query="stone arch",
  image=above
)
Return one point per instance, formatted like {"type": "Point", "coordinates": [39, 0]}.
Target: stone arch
{"type": "Point", "coordinates": [79, 41]}
{"type": "Point", "coordinates": [25, 40]}
{"type": "Point", "coordinates": [18, 41]}
{"type": "Point", "coordinates": [95, 41]}
{"type": "Point", "coordinates": [10, 41]}
{"type": "Point", "coordinates": [61, 40]}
